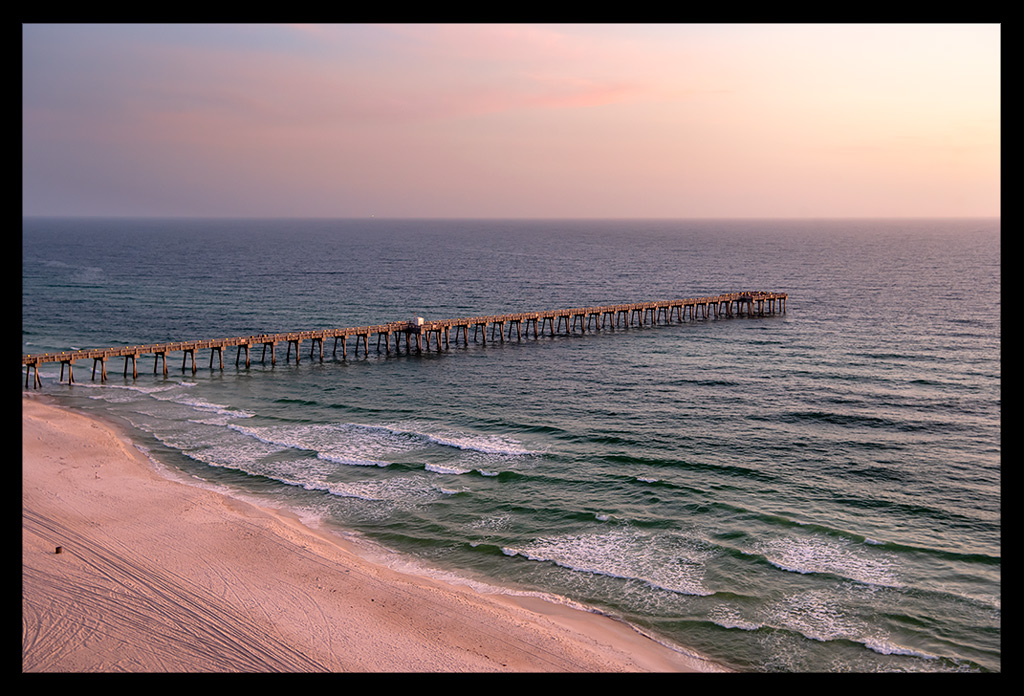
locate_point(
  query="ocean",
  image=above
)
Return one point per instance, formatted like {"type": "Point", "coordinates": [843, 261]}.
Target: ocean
{"type": "Point", "coordinates": [816, 490]}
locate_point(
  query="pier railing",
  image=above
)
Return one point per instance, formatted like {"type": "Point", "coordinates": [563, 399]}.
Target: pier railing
{"type": "Point", "coordinates": [424, 333]}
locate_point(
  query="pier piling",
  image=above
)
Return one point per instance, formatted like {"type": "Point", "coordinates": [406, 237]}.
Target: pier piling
{"type": "Point", "coordinates": [569, 321]}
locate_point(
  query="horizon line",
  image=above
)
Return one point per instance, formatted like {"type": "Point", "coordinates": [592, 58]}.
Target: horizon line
{"type": "Point", "coordinates": [508, 218]}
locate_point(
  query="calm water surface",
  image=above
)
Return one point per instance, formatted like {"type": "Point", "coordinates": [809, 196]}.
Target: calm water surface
{"type": "Point", "coordinates": [812, 491]}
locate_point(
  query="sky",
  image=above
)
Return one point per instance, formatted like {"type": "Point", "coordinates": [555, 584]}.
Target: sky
{"type": "Point", "coordinates": [511, 120]}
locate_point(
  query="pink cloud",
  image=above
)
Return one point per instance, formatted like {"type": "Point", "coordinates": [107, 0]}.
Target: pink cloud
{"type": "Point", "coordinates": [695, 117]}
{"type": "Point", "coordinates": [449, 71]}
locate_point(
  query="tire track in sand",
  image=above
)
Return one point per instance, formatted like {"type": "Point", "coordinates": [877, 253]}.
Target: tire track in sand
{"type": "Point", "coordinates": [185, 624]}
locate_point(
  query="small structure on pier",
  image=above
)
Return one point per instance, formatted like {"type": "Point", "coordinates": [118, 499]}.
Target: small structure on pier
{"type": "Point", "coordinates": [556, 322]}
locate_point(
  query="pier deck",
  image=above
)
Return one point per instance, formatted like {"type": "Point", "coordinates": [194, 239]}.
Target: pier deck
{"type": "Point", "coordinates": [424, 334]}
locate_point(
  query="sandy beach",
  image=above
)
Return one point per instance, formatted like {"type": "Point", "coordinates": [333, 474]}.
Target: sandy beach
{"type": "Point", "coordinates": [155, 575]}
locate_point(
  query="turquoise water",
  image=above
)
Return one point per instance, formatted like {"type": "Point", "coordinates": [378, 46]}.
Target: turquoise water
{"type": "Point", "coordinates": [817, 490]}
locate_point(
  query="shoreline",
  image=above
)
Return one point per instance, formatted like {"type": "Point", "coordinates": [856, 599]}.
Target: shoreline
{"type": "Point", "coordinates": [158, 575]}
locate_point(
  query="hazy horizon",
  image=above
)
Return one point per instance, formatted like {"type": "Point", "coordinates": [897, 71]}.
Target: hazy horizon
{"type": "Point", "coordinates": [522, 219]}
{"type": "Point", "coordinates": [496, 121]}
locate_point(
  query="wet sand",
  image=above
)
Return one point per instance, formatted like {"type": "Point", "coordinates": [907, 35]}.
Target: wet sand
{"type": "Point", "coordinates": [155, 575]}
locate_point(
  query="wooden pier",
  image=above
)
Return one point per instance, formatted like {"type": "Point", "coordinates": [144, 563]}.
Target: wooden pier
{"type": "Point", "coordinates": [419, 334]}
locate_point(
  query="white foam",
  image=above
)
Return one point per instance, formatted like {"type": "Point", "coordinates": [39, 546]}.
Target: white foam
{"type": "Point", "coordinates": [114, 397]}
{"type": "Point", "coordinates": [824, 615]}
{"type": "Point", "coordinates": [350, 461]}
{"type": "Point", "coordinates": [729, 617]}
{"type": "Point", "coordinates": [884, 647]}
{"type": "Point", "coordinates": [491, 523]}
{"type": "Point", "coordinates": [485, 444]}
{"type": "Point", "coordinates": [815, 614]}
{"type": "Point", "coordinates": [378, 445]}
{"type": "Point", "coordinates": [490, 444]}
{"type": "Point", "coordinates": [142, 388]}
{"type": "Point", "coordinates": [842, 557]}
{"type": "Point", "coordinates": [219, 409]}
{"type": "Point", "coordinates": [393, 490]}
{"type": "Point", "coordinates": [342, 444]}
{"type": "Point", "coordinates": [439, 469]}
{"type": "Point", "coordinates": [672, 564]}
{"type": "Point", "coordinates": [233, 455]}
